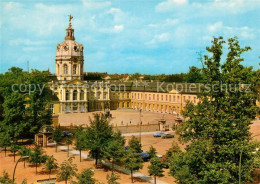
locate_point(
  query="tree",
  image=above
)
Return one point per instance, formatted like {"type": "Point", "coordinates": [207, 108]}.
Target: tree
{"type": "Point", "coordinates": [152, 152]}
{"type": "Point", "coordinates": [194, 75]}
{"type": "Point", "coordinates": [86, 177]}
{"type": "Point", "coordinates": [156, 168]}
{"type": "Point", "coordinates": [80, 140]}
{"type": "Point", "coordinates": [23, 151]}
{"type": "Point", "coordinates": [57, 135]}
{"type": "Point", "coordinates": [68, 143]}
{"type": "Point", "coordinates": [14, 148]}
{"type": "Point", "coordinates": [217, 128]}
{"type": "Point", "coordinates": [112, 179]}
{"type": "Point", "coordinates": [133, 162]}
{"type": "Point", "coordinates": [37, 157]}
{"type": "Point", "coordinates": [50, 164]}
{"type": "Point", "coordinates": [67, 170]}
{"type": "Point", "coordinates": [135, 144]}
{"type": "Point", "coordinates": [114, 152]}
{"type": "Point", "coordinates": [5, 179]}
{"type": "Point", "coordinates": [98, 135]}
{"type": "Point", "coordinates": [5, 140]}
{"type": "Point", "coordinates": [14, 111]}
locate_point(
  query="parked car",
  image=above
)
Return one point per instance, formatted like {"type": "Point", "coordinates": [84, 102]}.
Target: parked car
{"type": "Point", "coordinates": [145, 156]}
{"type": "Point", "coordinates": [67, 134]}
{"type": "Point", "coordinates": [166, 136]}
{"type": "Point", "coordinates": [158, 134]}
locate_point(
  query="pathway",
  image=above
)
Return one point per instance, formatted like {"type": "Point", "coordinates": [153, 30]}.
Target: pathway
{"type": "Point", "coordinates": [116, 167]}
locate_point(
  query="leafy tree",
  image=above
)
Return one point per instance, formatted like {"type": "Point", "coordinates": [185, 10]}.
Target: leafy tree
{"type": "Point", "coordinates": [50, 164]}
{"type": "Point", "coordinates": [5, 140]}
{"type": "Point", "coordinates": [156, 168]}
{"type": "Point", "coordinates": [135, 145]}
{"type": "Point", "coordinates": [112, 179]}
{"type": "Point", "coordinates": [14, 148]}
{"type": "Point", "coordinates": [80, 140]}
{"type": "Point", "coordinates": [23, 151]}
{"type": "Point", "coordinates": [14, 110]}
{"type": "Point", "coordinates": [98, 135]}
{"type": "Point", "coordinates": [194, 75]}
{"type": "Point", "coordinates": [68, 143]}
{"type": "Point", "coordinates": [217, 129]}
{"type": "Point", "coordinates": [114, 152]}
{"type": "Point", "coordinates": [67, 170]}
{"type": "Point", "coordinates": [133, 162]}
{"type": "Point", "coordinates": [5, 179]}
{"type": "Point", "coordinates": [37, 157]}
{"type": "Point", "coordinates": [152, 152]}
{"type": "Point", "coordinates": [57, 135]}
{"type": "Point", "coordinates": [86, 177]}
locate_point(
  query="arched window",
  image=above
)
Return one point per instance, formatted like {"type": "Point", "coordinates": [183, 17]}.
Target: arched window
{"type": "Point", "coordinates": [65, 69]}
{"type": "Point", "coordinates": [74, 69]}
{"type": "Point", "coordinates": [75, 95]}
{"type": "Point", "coordinates": [81, 95]}
{"type": "Point", "coordinates": [67, 95]}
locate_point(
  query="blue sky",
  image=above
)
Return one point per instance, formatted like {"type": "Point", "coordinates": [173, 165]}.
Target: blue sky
{"type": "Point", "coordinates": [126, 36]}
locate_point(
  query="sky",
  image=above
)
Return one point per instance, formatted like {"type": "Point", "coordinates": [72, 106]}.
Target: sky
{"type": "Point", "coordinates": [126, 36]}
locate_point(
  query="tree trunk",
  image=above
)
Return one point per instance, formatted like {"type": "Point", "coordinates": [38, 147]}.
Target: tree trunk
{"type": "Point", "coordinates": [49, 174]}
{"type": "Point", "coordinates": [5, 151]}
{"type": "Point", "coordinates": [36, 168]}
{"type": "Point", "coordinates": [65, 181]}
{"type": "Point", "coordinates": [132, 179]}
{"type": "Point", "coordinates": [96, 161]}
{"type": "Point", "coordinates": [112, 166]}
{"type": "Point", "coordinates": [79, 155]}
{"type": "Point", "coordinates": [14, 156]}
{"type": "Point", "coordinates": [24, 163]}
{"type": "Point", "coordinates": [154, 179]}
{"type": "Point", "coordinates": [68, 150]}
{"type": "Point", "coordinates": [56, 146]}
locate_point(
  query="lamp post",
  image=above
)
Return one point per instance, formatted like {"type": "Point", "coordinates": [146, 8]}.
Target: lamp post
{"type": "Point", "coordinates": [23, 157]}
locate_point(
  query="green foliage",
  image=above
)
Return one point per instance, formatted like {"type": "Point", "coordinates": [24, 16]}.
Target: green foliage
{"type": "Point", "coordinates": [67, 170]}
{"type": "Point", "coordinates": [86, 177]}
{"type": "Point", "coordinates": [112, 179]}
{"type": "Point", "coordinates": [152, 152]}
{"type": "Point", "coordinates": [14, 148]}
{"type": "Point", "coordinates": [5, 140]}
{"type": "Point", "coordinates": [50, 164]}
{"type": "Point", "coordinates": [80, 139]}
{"type": "Point", "coordinates": [194, 75]}
{"type": "Point", "coordinates": [5, 179]}
{"type": "Point", "coordinates": [115, 151]}
{"type": "Point", "coordinates": [217, 129]}
{"type": "Point", "coordinates": [57, 135]}
{"type": "Point", "coordinates": [16, 120]}
{"type": "Point", "coordinates": [135, 145]}
{"type": "Point", "coordinates": [98, 135]}
{"type": "Point", "coordinates": [156, 168]}
{"type": "Point", "coordinates": [37, 157]}
{"type": "Point", "coordinates": [133, 162]}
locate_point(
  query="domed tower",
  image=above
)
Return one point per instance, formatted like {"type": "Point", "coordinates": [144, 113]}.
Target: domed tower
{"type": "Point", "coordinates": [69, 57]}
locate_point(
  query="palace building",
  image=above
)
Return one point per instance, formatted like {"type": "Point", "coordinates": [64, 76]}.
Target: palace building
{"type": "Point", "coordinates": [76, 95]}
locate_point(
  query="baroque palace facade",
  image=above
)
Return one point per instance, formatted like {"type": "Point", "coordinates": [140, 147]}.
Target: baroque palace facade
{"type": "Point", "coordinates": [75, 95]}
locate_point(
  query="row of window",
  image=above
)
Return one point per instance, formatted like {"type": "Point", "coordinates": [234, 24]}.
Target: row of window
{"type": "Point", "coordinates": [168, 98]}
{"type": "Point", "coordinates": [81, 95]}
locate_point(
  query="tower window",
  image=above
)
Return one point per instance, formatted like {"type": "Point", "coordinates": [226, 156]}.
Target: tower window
{"type": "Point", "coordinates": [65, 69]}
{"type": "Point", "coordinates": [74, 69]}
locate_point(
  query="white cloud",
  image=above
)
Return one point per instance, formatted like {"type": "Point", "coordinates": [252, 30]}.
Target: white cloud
{"type": "Point", "coordinates": [215, 27]}
{"type": "Point", "coordinates": [160, 38]}
{"type": "Point", "coordinates": [169, 5]}
{"type": "Point", "coordinates": [94, 5]}
{"type": "Point", "coordinates": [27, 42]}
{"type": "Point", "coordinates": [118, 28]}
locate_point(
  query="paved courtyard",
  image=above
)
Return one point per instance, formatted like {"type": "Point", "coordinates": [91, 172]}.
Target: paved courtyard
{"type": "Point", "coordinates": [119, 117]}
